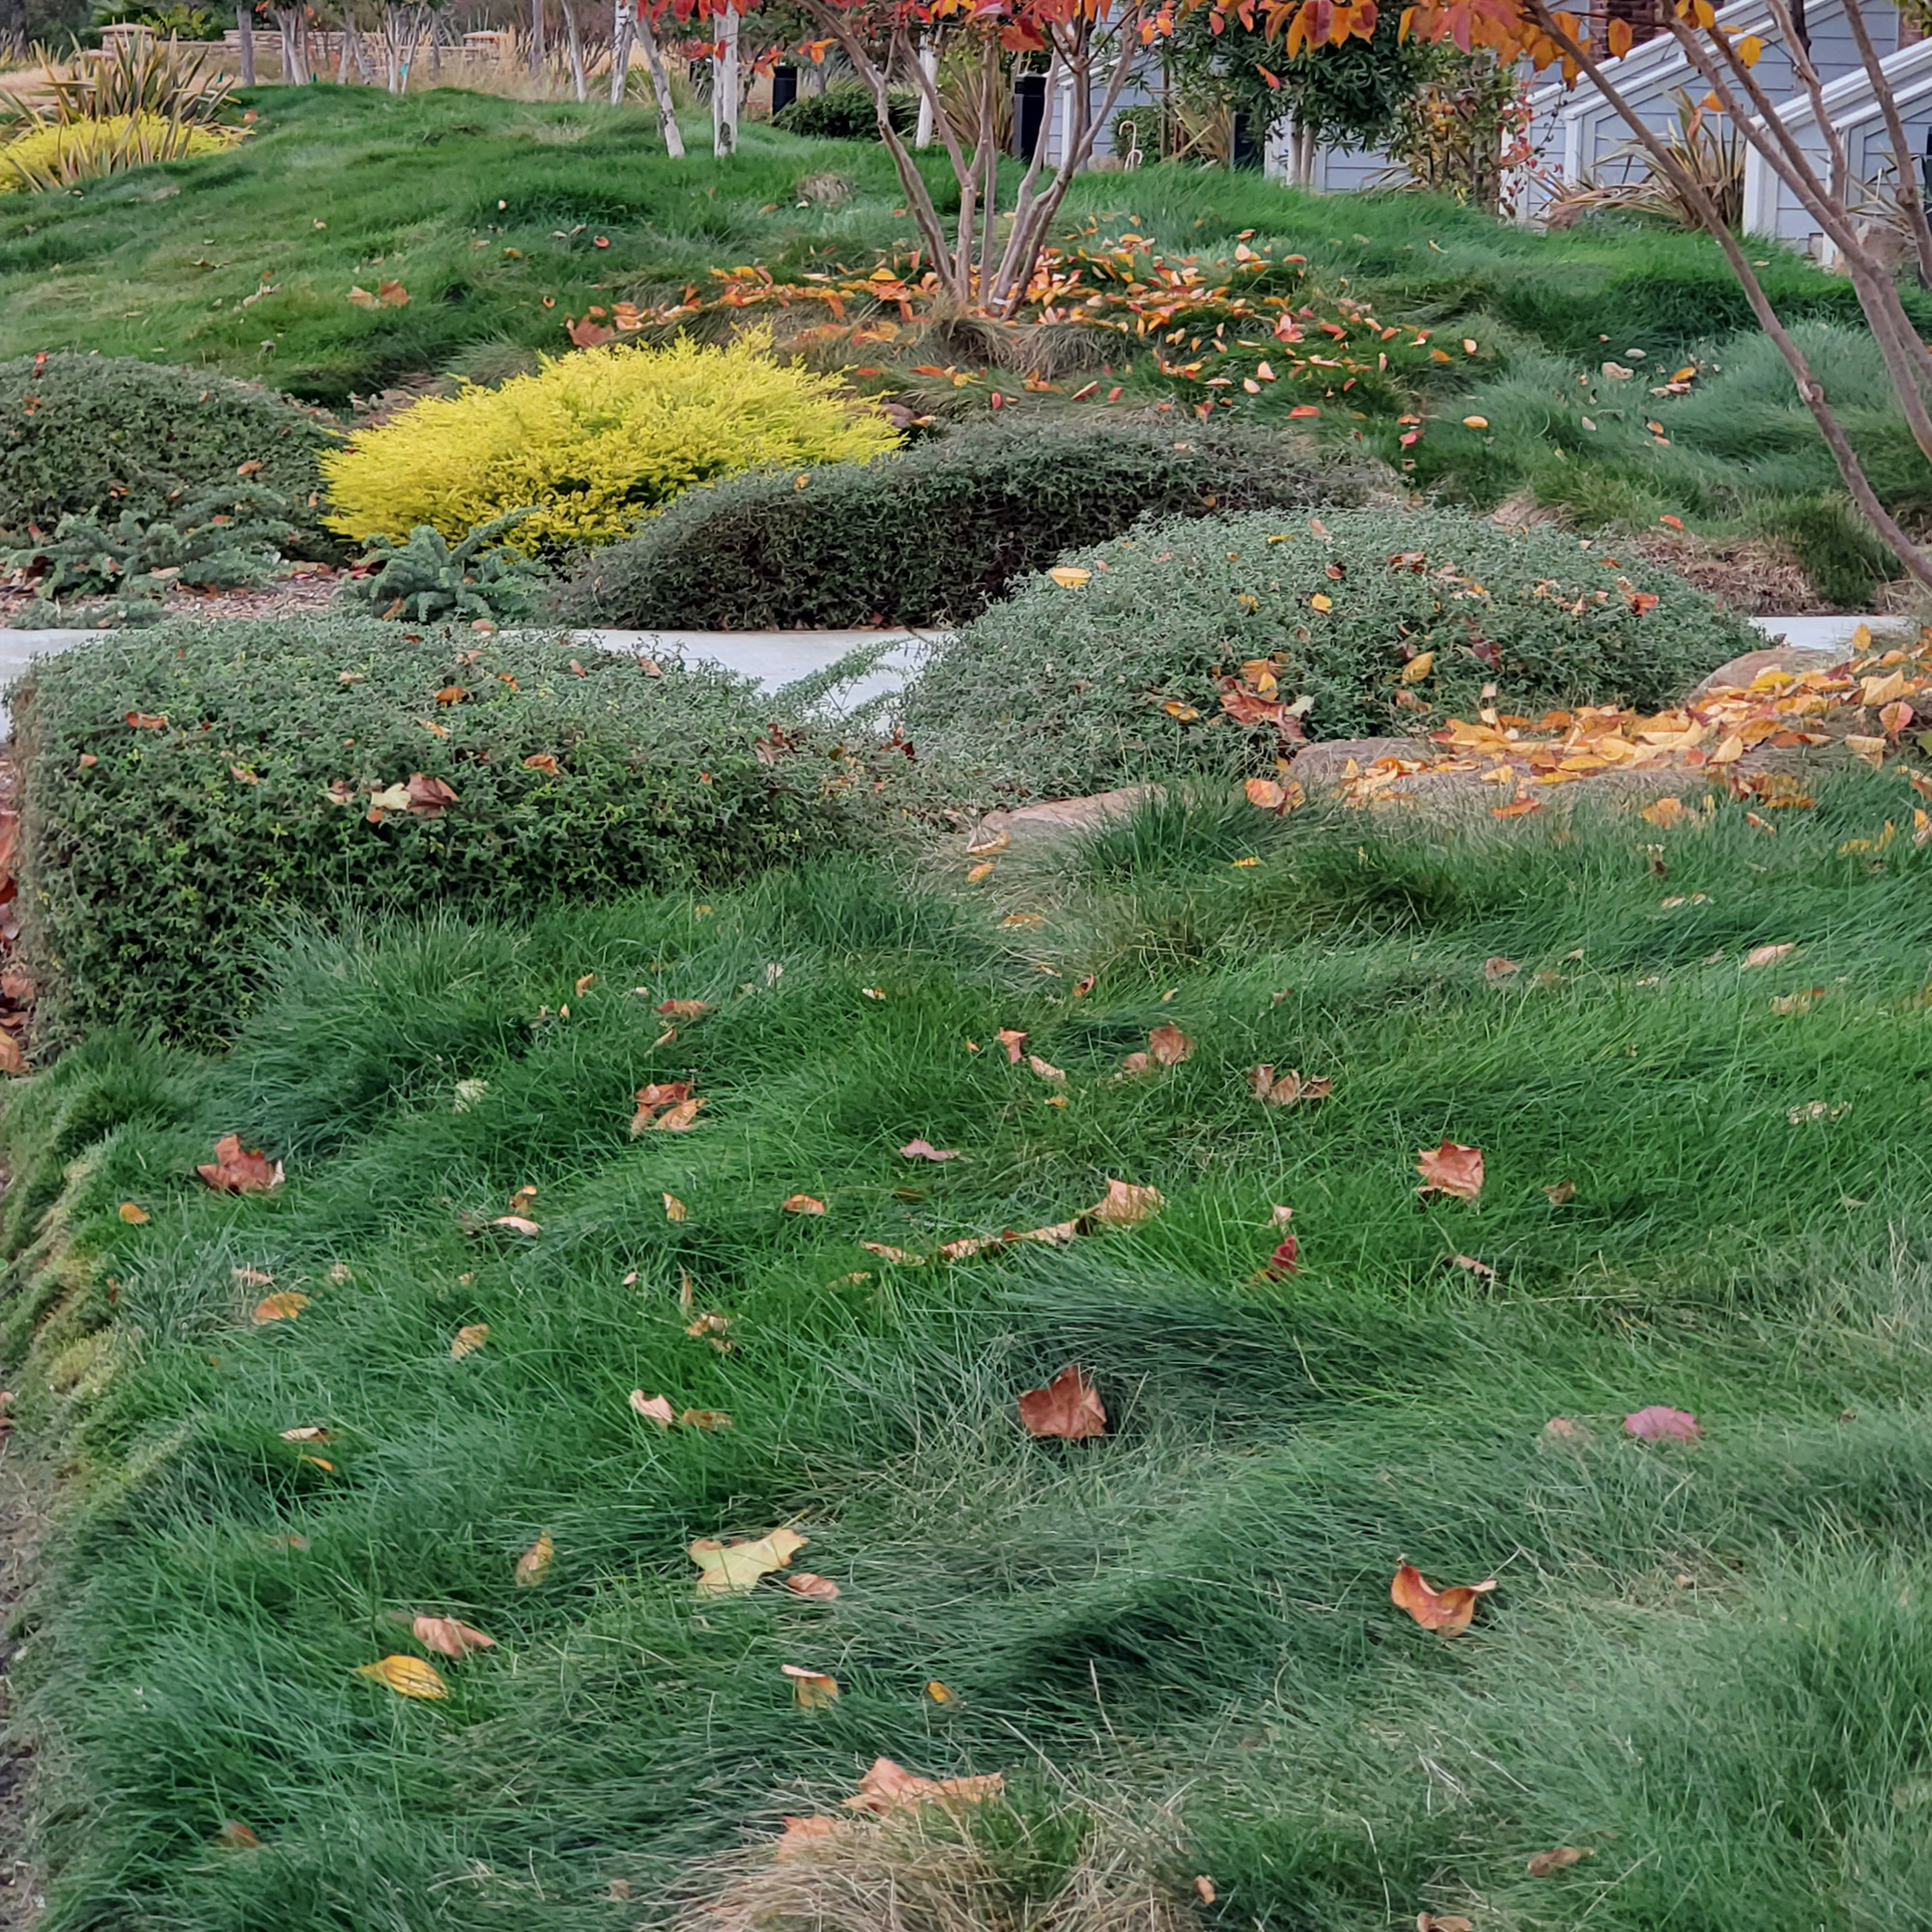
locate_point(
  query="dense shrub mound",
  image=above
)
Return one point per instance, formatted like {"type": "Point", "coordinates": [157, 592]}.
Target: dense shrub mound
{"type": "Point", "coordinates": [1385, 620]}
{"type": "Point", "coordinates": [83, 434]}
{"type": "Point", "coordinates": [931, 534]}
{"type": "Point", "coordinates": [844, 114]}
{"type": "Point", "coordinates": [185, 784]}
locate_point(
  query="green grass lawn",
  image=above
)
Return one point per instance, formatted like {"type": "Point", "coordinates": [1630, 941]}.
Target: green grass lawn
{"type": "Point", "coordinates": [486, 210]}
{"type": "Point", "coordinates": [1707, 1665]}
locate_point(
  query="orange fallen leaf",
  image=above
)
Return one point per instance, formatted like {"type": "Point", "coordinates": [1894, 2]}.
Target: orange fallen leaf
{"type": "Point", "coordinates": [1451, 1169]}
{"type": "Point", "coordinates": [1520, 809]}
{"type": "Point", "coordinates": [1289, 1089]}
{"type": "Point", "coordinates": [675, 1208]}
{"type": "Point", "coordinates": [1169, 1046]}
{"type": "Point", "coordinates": [406, 1676]}
{"type": "Point", "coordinates": [1768, 955]}
{"type": "Point", "coordinates": [684, 1009]}
{"type": "Point", "coordinates": [448, 1638]}
{"type": "Point", "coordinates": [1545, 1864]}
{"type": "Point", "coordinates": [282, 1307]}
{"type": "Point", "coordinates": [887, 1786]}
{"type": "Point", "coordinates": [800, 1833]}
{"type": "Point", "coordinates": [238, 1170]}
{"type": "Point", "coordinates": [820, 1589]}
{"type": "Point", "coordinates": [1068, 1407]}
{"type": "Point", "coordinates": [248, 1277]}
{"type": "Point", "coordinates": [1665, 813]}
{"type": "Point", "coordinates": [146, 721]}
{"type": "Point", "coordinates": [469, 1339]}
{"type": "Point", "coordinates": [939, 1692]}
{"type": "Point", "coordinates": [814, 1689]}
{"type": "Point", "coordinates": [1446, 1610]}
{"type": "Point", "coordinates": [542, 762]}
{"type": "Point", "coordinates": [1204, 1889]}
{"type": "Point", "coordinates": [652, 1407]}
{"type": "Point", "coordinates": [704, 1418]}
{"type": "Point", "coordinates": [801, 1204]}
{"type": "Point", "coordinates": [134, 1214]}
{"type": "Point", "coordinates": [533, 1562]}
{"type": "Point", "coordinates": [975, 873]}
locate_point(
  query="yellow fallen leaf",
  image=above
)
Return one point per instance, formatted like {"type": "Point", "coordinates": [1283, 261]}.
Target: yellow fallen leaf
{"type": "Point", "coordinates": [1124, 1205]}
{"type": "Point", "coordinates": [1069, 577]}
{"type": "Point", "coordinates": [533, 1562]}
{"type": "Point", "coordinates": [1322, 600]}
{"type": "Point", "coordinates": [406, 1676]}
{"type": "Point", "coordinates": [1870, 749]}
{"type": "Point", "coordinates": [814, 1689]}
{"type": "Point", "coordinates": [469, 1339]}
{"type": "Point", "coordinates": [730, 1568]}
{"type": "Point", "coordinates": [675, 1208]}
{"type": "Point", "coordinates": [975, 873]}
{"type": "Point", "coordinates": [283, 1307]}
{"type": "Point", "coordinates": [1475, 422]}
{"type": "Point", "coordinates": [134, 1214]}
{"type": "Point", "coordinates": [1418, 668]}
{"type": "Point", "coordinates": [939, 1694]}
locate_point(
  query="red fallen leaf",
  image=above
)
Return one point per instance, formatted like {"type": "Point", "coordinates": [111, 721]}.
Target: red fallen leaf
{"type": "Point", "coordinates": [429, 798]}
{"type": "Point", "coordinates": [651, 1099]}
{"type": "Point", "coordinates": [146, 721]}
{"type": "Point", "coordinates": [236, 1170]}
{"type": "Point", "coordinates": [1284, 1261]}
{"type": "Point", "coordinates": [1012, 1042]}
{"type": "Point", "coordinates": [922, 1150]}
{"type": "Point", "coordinates": [1446, 1610]}
{"type": "Point", "coordinates": [887, 1786]}
{"type": "Point", "coordinates": [1659, 1424]}
{"type": "Point", "coordinates": [1451, 1169]}
{"type": "Point", "coordinates": [1169, 1046]}
{"type": "Point", "coordinates": [804, 1583]}
{"type": "Point", "coordinates": [1067, 1406]}
{"type": "Point", "coordinates": [449, 1639]}
{"type": "Point", "coordinates": [588, 334]}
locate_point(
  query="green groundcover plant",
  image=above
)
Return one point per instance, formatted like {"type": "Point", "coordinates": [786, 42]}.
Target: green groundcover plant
{"type": "Point", "coordinates": [1705, 1665]}
{"type": "Point", "coordinates": [1127, 662]}
{"type": "Point", "coordinates": [932, 534]}
{"type": "Point", "coordinates": [186, 787]}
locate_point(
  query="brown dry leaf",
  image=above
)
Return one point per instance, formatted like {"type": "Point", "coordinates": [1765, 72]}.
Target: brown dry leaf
{"type": "Point", "coordinates": [238, 1170]}
{"type": "Point", "coordinates": [282, 1307]}
{"type": "Point", "coordinates": [804, 1583]}
{"type": "Point", "coordinates": [730, 1568]}
{"type": "Point", "coordinates": [1047, 1071]}
{"type": "Point", "coordinates": [1169, 1046]}
{"type": "Point", "coordinates": [428, 798]}
{"type": "Point", "coordinates": [133, 1214]}
{"type": "Point", "coordinates": [1204, 1889]}
{"type": "Point", "coordinates": [814, 1689]}
{"type": "Point", "coordinates": [704, 1418]}
{"type": "Point", "coordinates": [1445, 1610]}
{"type": "Point", "coordinates": [684, 1009]}
{"type": "Point", "coordinates": [658, 1095]}
{"type": "Point", "coordinates": [1265, 794]}
{"type": "Point", "coordinates": [902, 1257]}
{"type": "Point", "coordinates": [1797, 1003]}
{"type": "Point", "coordinates": [448, 1638]}
{"type": "Point", "coordinates": [985, 846]}
{"type": "Point", "coordinates": [1481, 1270]}
{"type": "Point", "coordinates": [1067, 1406]}
{"type": "Point", "coordinates": [923, 1149]}
{"type": "Point", "coordinates": [469, 1339]}
{"type": "Point", "coordinates": [248, 1277]}
{"type": "Point", "coordinates": [652, 1407]}
{"type": "Point", "coordinates": [1870, 749]}
{"type": "Point", "coordinates": [1013, 1040]}
{"type": "Point", "coordinates": [533, 1562]}
{"type": "Point", "coordinates": [146, 721]}
{"type": "Point", "coordinates": [12, 1061]}
{"type": "Point", "coordinates": [710, 1326]}
{"type": "Point", "coordinates": [1496, 968]}
{"type": "Point", "coordinates": [1545, 1864]}
{"type": "Point", "coordinates": [1769, 955]}
{"type": "Point", "coordinates": [675, 1208]}
{"type": "Point", "coordinates": [1134, 1066]}
{"type": "Point", "coordinates": [1023, 919]}
{"type": "Point", "coordinates": [524, 1200]}
{"type": "Point", "coordinates": [887, 1786]}
{"type": "Point", "coordinates": [1561, 1192]}
{"type": "Point", "coordinates": [680, 1118]}
{"type": "Point", "coordinates": [1520, 809]}
{"type": "Point", "coordinates": [1124, 1205]}
{"type": "Point", "coordinates": [1289, 1089]}
{"type": "Point", "coordinates": [392, 294]}
{"type": "Point", "coordinates": [801, 1204]}
{"type": "Point", "coordinates": [975, 873]}
{"type": "Point", "coordinates": [800, 1835]}
{"type": "Point", "coordinates": [1665, 813]}
{"type": "Point", "coordinates": [406, 1676]}
{"type": "Point", "coordinates": [518, 1224]}
{"type": "Point", "coordinates": [1451, 1169]}
{"type": "Point", "coordinates": [1661, 1424]}
{"type": "Point", "coordinates": [544, 762]}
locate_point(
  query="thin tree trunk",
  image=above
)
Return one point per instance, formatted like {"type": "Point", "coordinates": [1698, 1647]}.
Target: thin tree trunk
{"type": "Point", "coordinates": [724, 90]}
{"type": "Point", "coordinates": [536, 35]}
{"type": "Point", "coordinates": [288, 23]}
{"type": "Point", "coordinates": [674, 140]}
{"type": "Point", "coordinates": [342, 52]}
{"type": "Point", "coordinates": [928, 66]}
{"type": "Point", "coordinates": [620, 50]}
{"type": "Point", "coordinates": [578, 86]}
{"type": "Point", "coordinates": [244, 29]}
{"type": "Point", "coordinates": [1911, 202]}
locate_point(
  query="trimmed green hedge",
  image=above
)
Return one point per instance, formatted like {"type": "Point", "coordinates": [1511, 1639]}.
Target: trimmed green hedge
{"type": "Point", "coordinates": [930, 534]}
{"type": "Point", "coordinates": [82, 435]}
{"type": "Point", "coordinates": [1060, 690]}
{"type": "Point", "coordinates": [156, 857]}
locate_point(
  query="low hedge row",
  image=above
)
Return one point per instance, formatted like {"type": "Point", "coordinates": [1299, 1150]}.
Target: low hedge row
{"type": "Point", "coordinates": [1385, 620]}
{"type": "Point", "coordinates": [931, 534]}
{"type": "Point", "coordinates": [185, 786]}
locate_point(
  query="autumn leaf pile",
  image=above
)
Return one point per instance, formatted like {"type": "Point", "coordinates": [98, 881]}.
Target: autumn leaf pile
{"type": "Point", "coordinates": [1282, 1320]}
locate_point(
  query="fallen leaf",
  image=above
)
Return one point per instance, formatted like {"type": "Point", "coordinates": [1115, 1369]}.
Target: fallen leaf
{"type": "Point", "coordinates": [1289, 1089]}
{"type": "Point", "coordinates": [523, 1200]}
{"type": "Point", "coordinates": [146, 721]}
{"type": "Point", "coordinates": [1124, 1205]}
{"type": "Point", "coordinates": [134, 1214]}
{"type": "Point", "coordinates": [1451, 1169]}
{"type": "Point", "coordinates": [392, 294]}
{"type": "Point", "coordinates": [1169, 1046]}
{"type": "Point", "coordinates": [236, 1170]}
{"type": "Point", "coordinates": [1133, 1067]}
{"type": "Point", "coordinates": [1069, 576]}
{"type": "Point", "coordinates": [1660, 1424]}
{"type": "Point", "coordinates": [1797, 1003]}
{"type": "Point", "coordinates": [1284, 1261]}
{"type": "Point", "coordinates": [801, 1204]}
{"type": "Point", "coordinates": [1428, 1921]}
{"type": "Point", "coordinates": [939, 1694]}
{"type": "Point", "coordinates": [1545, 1864]}
{"type": "Point", "coordinates": [1068, 1407]}
{"type": "Point", "coordinates": [234, 1834]}
{"type": "Point", "coordinates": [1418, 668]}
{"type": "Point", "coordinates": [1520, 809]}
{"type": "Point", "coordinates": [730, 1568]}
{"type": "Point", "coordinates": [887, 1786]}
{"type": "Point", "coordinates": [449, 1639]}
{"type": "Point", "coordinates": [282, 1307]}
{"type": "Point", "coordinates": [1023, 919]}
{"type": "Point", "coordinates": [1013, 1040]}
{"type": "Point", "coordinates": [406, 1676]}
{"type": "Point", "coordinates": [1768, 955]}
{"type": "Point", "coordinates": [1446, 1610]}
{"type": "Point", "coordinates": [542, 762]}
{"type": "Point", "coordinates": [427, 797]}
{"type": "Point", "coordinates": [922, 1150]}
{"type": "Point", "coordinates": [800, 1833]}
{"type": "Point", "coordinates": [652, 1407]}
{"type": "Point", "coordinates": [711, 1326]}
{"type": "Point", "coordinates": [1045, 1070]}
{"type": "Point", "coordinates": [684, 1009]}
{"type": "Point", "coordinates": [1496, 968]}
{"type": "Point", "coordinates": [814, 1689]}
{"type": "Point", "coordinates": [1204, 1889]}
{"type": "Point", "coordinates": [988, 844]}
{"type": "Point", "coordinates": [307, 1431]}
{"type": "Point", "coordinates": [975, 873]}
{"type": "Point", "coordinates": [1561, 1192]}
{"type": "Point", "coordinates": [1665, 813]}
{"type": "Point", "coordinates": [675, 1208]}
{"type": "Point", "coordinates": [820, 1589]}
{"type": "Point", "coordinates": [1870, 749]}
{"type": "Point", "coordinates": [1481, 1270]}
{"type": "Point", "coordinates": [533, 1562]}
{"type": "Point", "coordinates": [1560, 1429]}
{"type": "Point", "coordinates": [469, 1339]}
{"type": "Point", "coordinates": [704, 1418]}
{"type": "Point", "coordinates": [518, 1224]}
{"type": "Point", "coordinates": [902, 1257]}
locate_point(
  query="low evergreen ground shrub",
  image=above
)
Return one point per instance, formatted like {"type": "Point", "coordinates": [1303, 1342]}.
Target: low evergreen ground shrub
{"type": "Point", "coordinates": [87, 435]}
{"type": "Point", "coordinates": [844, 114]}
{"type": "Point", "coordinates": [933, 533]}
{"type": "Point", "coordinates": [185, 786]}
{"type": "Point", "coordinates": [1132, 661]}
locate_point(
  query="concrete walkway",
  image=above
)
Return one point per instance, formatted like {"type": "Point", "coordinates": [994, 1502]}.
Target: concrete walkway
{"type": "Point", "coordinates": [775, 658]}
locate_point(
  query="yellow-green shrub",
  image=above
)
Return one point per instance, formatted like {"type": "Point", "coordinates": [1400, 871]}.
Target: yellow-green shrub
{"type": "Point", "coordinates": [58, 152]}
{"type": "Point", "coordinates": [594, 441]}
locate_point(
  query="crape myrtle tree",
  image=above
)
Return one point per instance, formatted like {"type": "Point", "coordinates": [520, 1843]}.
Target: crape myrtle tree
{"type": "Point", "coordinates": [1723, 58]}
